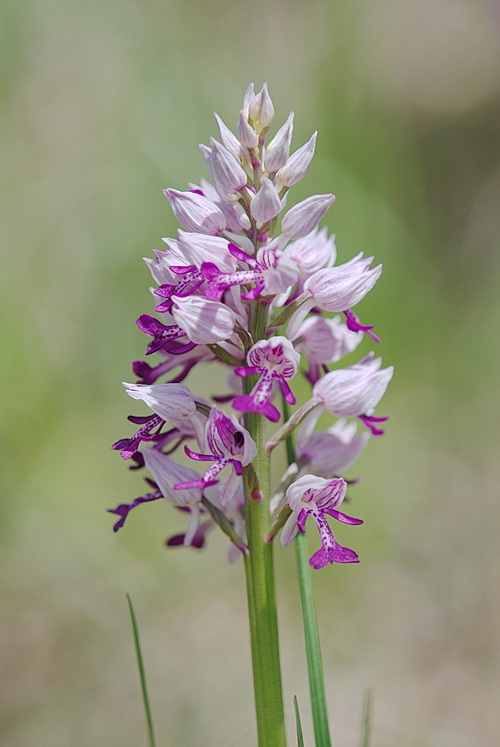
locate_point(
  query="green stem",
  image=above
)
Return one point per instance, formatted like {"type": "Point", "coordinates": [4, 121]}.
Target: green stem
{"type": "Point", "coordinates": [259, 571]}
{"type": "Point", "coordinates": [311, 630]}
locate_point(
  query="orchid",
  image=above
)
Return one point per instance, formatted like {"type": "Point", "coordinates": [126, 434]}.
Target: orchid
{"type": "Point", "coordinates": [314, 496]}
{"type": "Point", "coordinates": [251, 285]}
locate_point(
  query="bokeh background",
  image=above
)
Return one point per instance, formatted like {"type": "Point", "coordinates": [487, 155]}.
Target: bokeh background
{"type": "Point", "coordinates": [103, 105]}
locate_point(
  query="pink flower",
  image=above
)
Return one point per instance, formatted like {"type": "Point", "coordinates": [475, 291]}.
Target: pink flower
{"type": "Point", "coordinates": [312, 252]}
{"type": "Point", "coordinates": [229, 444]}
{"type": "Point", "coordinates": [355, 391]}
{"type": "Point", "coordinates": [315, 497]}
{"type": "Point", "coordinates": [271, 272]}
{"type": "Point", "coordinates": [275, 360]}
{"type": "Point", "coordinates": [336, 289]}
{"type": "Point", "coordinates": [323, 340]}
{"type": "Point", "coordinates": [330, 452]}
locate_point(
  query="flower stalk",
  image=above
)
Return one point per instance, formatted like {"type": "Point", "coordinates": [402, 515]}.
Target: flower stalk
{"type": "Point", "coordinates": [259, 573]}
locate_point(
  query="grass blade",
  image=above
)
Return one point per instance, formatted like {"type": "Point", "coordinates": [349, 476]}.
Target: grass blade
{"type": "Point", "coordinates": [142, 673]}
{"type": "Point", "coordinates": [313, 648]}
{"type": "Point", "coordinates": [367, 718]}
{"type": "Point", "coordinates": [311, 631]}
{"type": "Point", "coordinates": [298, 723]}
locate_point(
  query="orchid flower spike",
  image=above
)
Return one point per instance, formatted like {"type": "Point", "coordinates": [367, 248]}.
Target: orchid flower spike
{"type": "Point", "coordinates": [248, 284]}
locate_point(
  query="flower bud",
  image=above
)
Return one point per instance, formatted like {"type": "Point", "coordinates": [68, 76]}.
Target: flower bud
{"type": "Point", "coordinates": [228, 139]}
{"type": "Point", "coordinates": [200, 247]}
{"type": "Point", "coordinates": [167, 473]}
{"type": "Point", "coordinates": [227, 173]}
{"type": "Point", "coordinates": [261, 109]}
{"type": "Point", "coordinates": [305, 216]}
{"type": "Point", "coordinates": [298, 163]}
{"type": "Point", "coordinates": [266, 204]}
{"type": "Point", "coordinates": [325, 340]}
{"type": "Point", "coordinates": [341, 287]}
{"type": "Point", "coordinates": [247, 99]}
{"type": "Point", "coordinates": [195, 212]}
{"type": "Point", "coordinates": [246, 133]}
{"type": "Point", "coordinates": [278, 149]}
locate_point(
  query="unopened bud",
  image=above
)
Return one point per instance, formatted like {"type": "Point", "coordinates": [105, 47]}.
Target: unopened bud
{"type": "Point", "coordinates": [227, 172]}
{"type": "Point", "coordinates": [195, 212]}
{"type": "Point", "coordinates": [228, 139]}
{"type": "Point", "coordinates": [278, 149]}
{"type": "Point", "coordinates": [297, 165]}
{"type": "Point", "coordinates": [247, 99]}
{"type": "Point", "coordinates": [266, 204]}
{"type": "Point", "coordinates": [261, 109]}
{"type": "Point", "coordinates": [246, 133]}
{"type": "Point", "coordinates": [305, 216]}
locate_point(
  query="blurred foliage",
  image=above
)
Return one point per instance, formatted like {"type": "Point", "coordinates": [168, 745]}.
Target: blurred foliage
{"type": "Point", "coordinates": [103, 106]}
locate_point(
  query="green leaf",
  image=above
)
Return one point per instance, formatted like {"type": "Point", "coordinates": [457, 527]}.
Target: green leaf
{"type": "Point", "coordinates": [223, 522]}
{"type": "Point", "coordinates": [311, 631]}
{"type": "Point", "coordinates": [142, 673]}
{"type": "Point", "coordinates": [313, 648]}
{"type": "Point", "coordinates": [298, 723]}
{"type": "Point", "coordinates": [367, 718]}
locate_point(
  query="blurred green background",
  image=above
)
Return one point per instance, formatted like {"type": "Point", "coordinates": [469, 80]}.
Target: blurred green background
{"type": "Point", "coordinates": [103, 105]}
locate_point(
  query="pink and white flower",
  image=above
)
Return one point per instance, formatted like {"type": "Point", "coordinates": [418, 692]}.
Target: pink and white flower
{"type": "Point", "coordinates": [329, 453]}
{"type": "Point", "coordinates": [229, 444]}
{"type": "Point", "coordinates": [271, 272]}
{"type": "Point", "coordinates": [314, 496]}
{"type": "Point", "coordinates": [323, 340]}
{"type": "Point", "coordinates": [355, 391]}
{"type": "Point", "coordinates": [275, 360]}
{"type": "Point", "coordinates": [312, 252]}
{"type": "Point", "coordinates": [336, 289]}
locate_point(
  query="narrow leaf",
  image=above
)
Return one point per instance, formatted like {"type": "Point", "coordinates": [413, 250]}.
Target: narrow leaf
{"type": "Point", "coordinates": [298, 723]}
{"type": "Point", "coordinates": [367, 719]}
{"type": "Point", "coordinates": [142, 673]}
{"type": "Point", "coordinates": [224, 523]}
{"type": "Point", "coordinates": [311, 631]}
{"type": "Point", "coordinates": [313, 648]}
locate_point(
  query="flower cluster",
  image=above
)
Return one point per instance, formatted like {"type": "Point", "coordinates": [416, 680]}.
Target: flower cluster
{"type": "Point", "coordinates": [254, 286]}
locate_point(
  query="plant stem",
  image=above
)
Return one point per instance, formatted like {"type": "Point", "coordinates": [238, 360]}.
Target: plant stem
{"type": "Point", "coordinates": [259, 571]}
